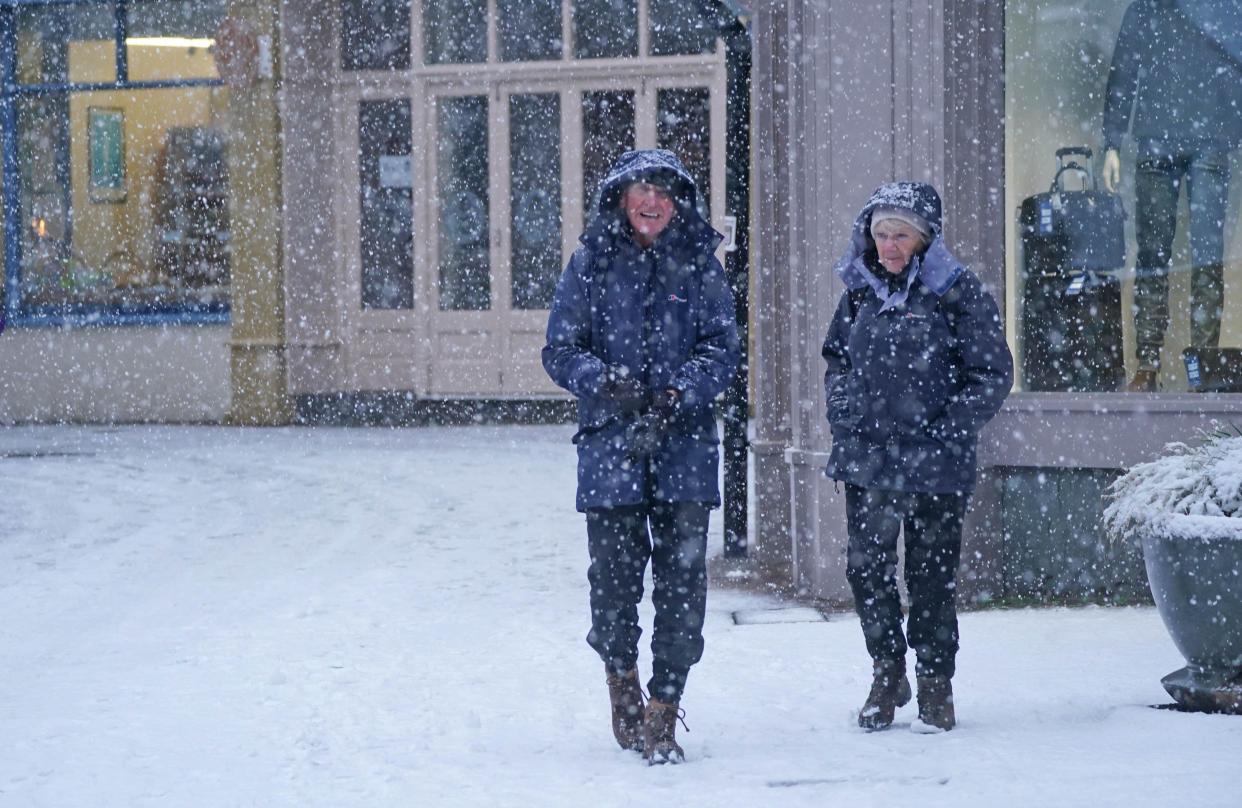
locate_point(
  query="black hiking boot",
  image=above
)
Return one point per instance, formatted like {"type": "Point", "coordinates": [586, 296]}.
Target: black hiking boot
{"type": "Point", "coordinates": [890, 689]}
{"type": "Point", "coordinates": [660, 734]}
{"type": "Point", "coordinates": [627, 709]}
{"type": "Point", "coordinates": [935, 705]}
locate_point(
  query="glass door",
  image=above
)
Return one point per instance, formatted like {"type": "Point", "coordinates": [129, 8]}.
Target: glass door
{"type": "Point", "coordinates": [464, 243]}
{"type": "Point", "coordinates": [534, 245]}
{"type": "Point", "coordinates": [513, 175]}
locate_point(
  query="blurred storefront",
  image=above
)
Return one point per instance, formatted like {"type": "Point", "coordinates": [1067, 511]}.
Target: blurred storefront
{"type": "Point", "coordinates": [397, 226]}
{"type": "Point", "coordinates": [977, 98]}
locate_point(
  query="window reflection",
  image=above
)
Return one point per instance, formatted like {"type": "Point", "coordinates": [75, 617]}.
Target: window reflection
{"type": "Point", "coordinates": [678, 27]}
{"type": "Point", "coordinates": [684, 126]}
{"type": "Point", "coordinates": [455, 31]}
{"type": "Point", "coordinates": [529, 29]}
{"type": "Point", "coordinates": [386, 229]}
{"type": "Point", "coordinates": [535, 198]}
{"type": "Point", "coordinates": [607, 131]}
{"type": "Point", "coordinates": [605, 28]}
{"type": "Point", "coordinates": [59, 44]}
{"type": "Point", "coordinates": [463, 202]}
{"type": "Point", "coordinates": [375, 34]}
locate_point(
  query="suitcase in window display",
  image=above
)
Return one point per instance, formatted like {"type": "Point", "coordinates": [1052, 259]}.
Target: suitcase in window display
{"type": "Point", "coordinates": [1073, 246]}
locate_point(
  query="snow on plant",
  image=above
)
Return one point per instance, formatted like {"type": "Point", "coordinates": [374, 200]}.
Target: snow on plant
{"type": "Point", "coordinates": [1200, 480]}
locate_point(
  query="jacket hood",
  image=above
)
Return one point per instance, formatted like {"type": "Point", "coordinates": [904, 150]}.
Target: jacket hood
{"type": "Point", "coordinates": [936, 267]}
{"type": "Point", "coordinates": [647, 164]}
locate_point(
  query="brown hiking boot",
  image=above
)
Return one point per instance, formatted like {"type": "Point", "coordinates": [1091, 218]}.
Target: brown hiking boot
{"type": "Point", "coordinates": [890, 689]}
{"type": "Point", "coordinates": [659, 734]}
{"type": "Point", "coordinates": [935, 705]}
{"type": "Point", "coordinates": [1144, 381]}
{"type": "Point", "coordinates": [627, 709]}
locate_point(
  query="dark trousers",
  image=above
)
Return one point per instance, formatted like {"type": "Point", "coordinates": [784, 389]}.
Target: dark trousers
{"type": "Point", "coordinates": [673, 536]}
{"type": "Point", "coordinates": [933, 531]}
{"type": "Point", "coordinates": [1158, 182]}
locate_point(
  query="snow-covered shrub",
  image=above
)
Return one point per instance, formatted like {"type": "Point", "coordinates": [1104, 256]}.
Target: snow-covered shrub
{"type": "Point", "coordinates": [1185, 492]}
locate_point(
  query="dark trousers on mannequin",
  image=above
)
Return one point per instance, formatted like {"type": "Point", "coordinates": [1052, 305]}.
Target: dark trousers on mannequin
{"type": "Point", "coordinates": [1160, 176]}
{"type": "Point", "coordinates": [933, 536]}
{"type": "Point", "coordinates": [673, 537]}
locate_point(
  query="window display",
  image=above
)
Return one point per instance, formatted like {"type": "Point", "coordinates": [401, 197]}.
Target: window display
{"type": "Point", "coordinates": [1152, 92]}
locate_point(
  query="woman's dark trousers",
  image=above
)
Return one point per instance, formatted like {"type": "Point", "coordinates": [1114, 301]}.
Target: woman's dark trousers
{"type": "Point", "coordinates": [673, 536]}
{"type": "Point", "coordinates": [933, 531]}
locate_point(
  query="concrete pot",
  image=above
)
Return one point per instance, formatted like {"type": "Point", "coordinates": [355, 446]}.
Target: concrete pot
{"type": "Point", "coordinates": [1196, 581]}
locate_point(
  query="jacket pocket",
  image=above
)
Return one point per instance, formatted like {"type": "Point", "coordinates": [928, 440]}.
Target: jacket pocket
{"type": "Point", "coordinates": [844, 400]}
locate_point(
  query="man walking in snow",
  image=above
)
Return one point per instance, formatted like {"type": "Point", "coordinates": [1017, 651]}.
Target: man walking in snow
{"type": "Point", "coordinates": [642, 332]}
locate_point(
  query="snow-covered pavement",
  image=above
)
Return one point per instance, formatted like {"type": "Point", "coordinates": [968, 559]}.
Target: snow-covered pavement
{"type": "Point", "coordinates": [199, 616]}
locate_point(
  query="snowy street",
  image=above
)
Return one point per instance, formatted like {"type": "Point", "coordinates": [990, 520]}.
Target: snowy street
{"type": "Point", "coordinates": [206, 616]}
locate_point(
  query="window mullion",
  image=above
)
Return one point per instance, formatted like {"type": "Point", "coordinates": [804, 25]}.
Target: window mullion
{"type": "Point", "coordinates": [493, 33]}
{"type": "Point", "coordinates": [121, 27]}
{"type": "Point", "coordinates": [644, 30]}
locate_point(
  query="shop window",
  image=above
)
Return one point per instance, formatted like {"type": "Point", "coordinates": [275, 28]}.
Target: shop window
{"type": "Point", "coordinates": [124, 201]}
{"type": "Point", "coordinates": [684, 126]}
{"type": "Point", "coordinates": [1153, 89]}
{"type": "Point", "coordinates": [386, 229]}
{"type": "Point", "coordinates": [682, 27]}
{"type": "Point", "coordinates": [605, 28]}
{"type": "Point", "coordinates": [60, 44]}
{"type": "Point", "coordinates": [607, 131]}
{"type": "Point", "coordinates": [172, 39]}
{"type": "Point", "coordinates": [529, 29]}
{"type": "Point", "coordinates": [455, 31]}
{"type": "Point", "coordinates": [463, 203]}
{"type": "Point", "coordinates": [375, 34]}
{"type": "Point", "coordinates": [535, 198]}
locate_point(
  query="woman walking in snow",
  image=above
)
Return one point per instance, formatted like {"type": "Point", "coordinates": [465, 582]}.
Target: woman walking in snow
{"type": "Point", "coordinates": [642, 332]}
{"type": "Point", "coordinates": [917, 364]}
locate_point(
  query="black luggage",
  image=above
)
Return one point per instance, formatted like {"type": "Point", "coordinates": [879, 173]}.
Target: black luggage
{"type": "Point", "coordinates": [1073, 244]}
{"type": "Point", "coordinates": [1213, 370]}
{"type": "Point", "coordinates": [1064, 232]}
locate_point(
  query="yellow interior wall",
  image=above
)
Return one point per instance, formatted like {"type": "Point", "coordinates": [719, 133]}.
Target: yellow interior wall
{"type": "Point", "coordinates": [101, 228]}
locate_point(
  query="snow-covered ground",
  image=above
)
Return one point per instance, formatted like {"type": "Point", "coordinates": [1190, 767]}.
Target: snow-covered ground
{"type": "Point", "coordinates": [331, 617]}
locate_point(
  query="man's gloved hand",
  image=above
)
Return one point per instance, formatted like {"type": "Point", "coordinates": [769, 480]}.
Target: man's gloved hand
{"type": "Point", "coordinates": [665, 403]}
{"type": "Point", "coordinates": [629, 394]}
{"type": "Point", "coordinates": [645, 435]}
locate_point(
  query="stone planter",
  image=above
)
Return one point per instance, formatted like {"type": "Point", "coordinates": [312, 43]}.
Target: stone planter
{"type": "Point", "coordinates": [1194, 566]}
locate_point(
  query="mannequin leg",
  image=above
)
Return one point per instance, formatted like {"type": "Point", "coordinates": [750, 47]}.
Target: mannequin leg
{"type": "Point", "coordinates": [1208, 190]}
{"type": "Point", "coordinates": [1157, 183]}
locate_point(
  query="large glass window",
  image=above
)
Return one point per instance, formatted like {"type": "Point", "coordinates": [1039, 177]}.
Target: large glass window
{"type": "Point", "coordinates": [120, 208]}
{"type": "Point", "coordinates": [535, 198]}
{"type": "Point", "coordinates": [61, 43]}
{"type": "Point", "coordinates": [463, 202]}
{"type": "Point", "coordinates": [684, 126]}
{"type": "Point", "coordinates": [124, 200]}
{"type": "Point", "coordinates": [681, 27]}
{"type": "Point", "coordinates": [455, 31]}
{"type": "Point", "coordinates": [375, 34]}
{"type": "Point", "coordinates": [605, 28]}
{"type": "Point", "coordinates": [607, 131]}
{"type": "Point", "coordinates": [529, 29]}
{"type": "Point", "coordinates": [1121, 248]}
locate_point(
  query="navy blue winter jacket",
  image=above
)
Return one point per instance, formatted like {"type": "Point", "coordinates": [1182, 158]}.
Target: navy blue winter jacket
{"type": "Point", "coordinates": [915, 372]}
{"type": "Point", "coordinates": [665, 314]}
